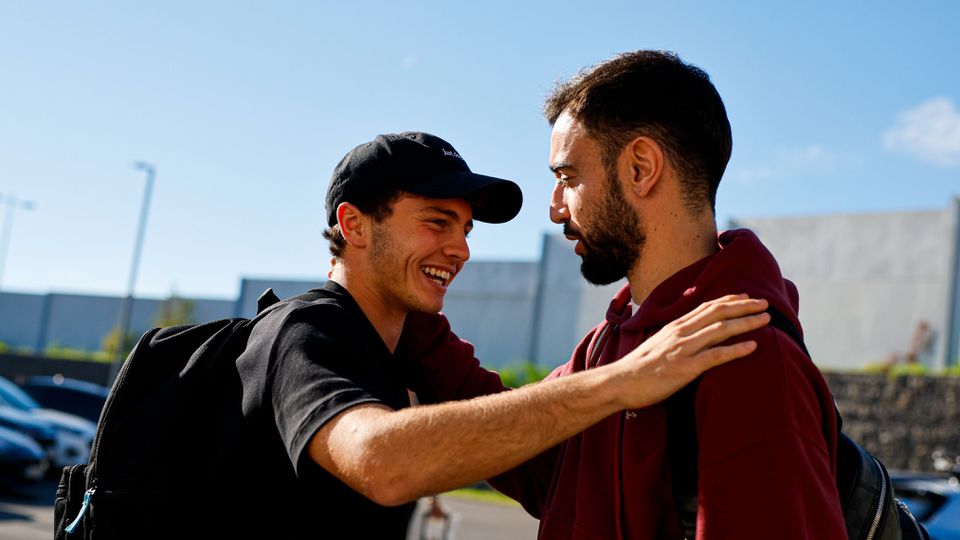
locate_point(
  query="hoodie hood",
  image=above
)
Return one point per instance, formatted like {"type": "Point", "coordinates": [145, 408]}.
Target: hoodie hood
{"type": "Point", "coordinates": [742, 265]}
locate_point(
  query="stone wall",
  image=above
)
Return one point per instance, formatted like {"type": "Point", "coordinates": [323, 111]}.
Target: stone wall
{"type": "Point", "coordinates": [901, 420]}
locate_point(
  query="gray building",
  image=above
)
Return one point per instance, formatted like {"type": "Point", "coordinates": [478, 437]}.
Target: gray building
{"type": "Point", "coordinates": [865, 281]}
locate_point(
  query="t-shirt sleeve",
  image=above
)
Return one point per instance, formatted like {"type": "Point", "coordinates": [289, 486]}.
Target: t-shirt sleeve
{"type": "Point", "coordinates": [312, 380]}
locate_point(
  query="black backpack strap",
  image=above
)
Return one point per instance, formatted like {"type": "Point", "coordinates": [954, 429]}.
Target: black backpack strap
{"type": "Point", "coordinates": [780, 321]}
{"type": "Point", "coordinates": [267, 299]}
{"type": "Point", "coordinates": [682, 445]}
{"type": "Point", "coordinates": [863, 483]}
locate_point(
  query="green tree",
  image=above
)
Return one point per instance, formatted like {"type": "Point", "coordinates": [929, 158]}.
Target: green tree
{"type": "Point", "coordinates": [522, 373]}
{"type": "Point", "coordinates": [111, 342]}
{"type": "Point", "coordinates": [175, 311]}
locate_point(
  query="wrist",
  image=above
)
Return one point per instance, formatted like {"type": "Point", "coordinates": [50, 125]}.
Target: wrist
{"type": "Point", "coordinates": [610, 386]}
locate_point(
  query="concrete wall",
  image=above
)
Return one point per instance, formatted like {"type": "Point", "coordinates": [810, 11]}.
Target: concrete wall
{"type": "Point", "coordinates": [21, 319]}
{"type": "Point", "coordinates": [80, 321]}
{"type": "Point", "coordinates": [568, 306]}
{"type": "Point", "coordinates": [490, 305]}
{"type": "Point", "coordinates": [866, 280]}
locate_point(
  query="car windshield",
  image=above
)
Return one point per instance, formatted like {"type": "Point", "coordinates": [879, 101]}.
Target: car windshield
{"type": "Point", "coordinates": [12, 395]}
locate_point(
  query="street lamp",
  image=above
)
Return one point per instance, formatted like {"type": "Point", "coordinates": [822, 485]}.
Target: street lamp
{"type": "Point", "coordinates": [127, 307]}
{"type": "Point", "coordinates": [12, 205]}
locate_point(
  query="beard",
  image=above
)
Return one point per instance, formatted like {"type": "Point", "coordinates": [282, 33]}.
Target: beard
{"type": "Point", "coordinates": [382, 246]}
{"type": "Point", "coordinates": [388, 275]}
{"type": "Point", "coordinates": [616, 238]}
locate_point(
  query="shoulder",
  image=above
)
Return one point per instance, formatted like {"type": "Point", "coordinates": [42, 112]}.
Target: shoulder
{"type": "Point", "coordinates": [298, 320]}
{"type": "Point", "coordinates": [774, 360]}
{"type": "Point", "coordinates": [775, 387]}
{"type": "Point", "coordinates": [769, 384]}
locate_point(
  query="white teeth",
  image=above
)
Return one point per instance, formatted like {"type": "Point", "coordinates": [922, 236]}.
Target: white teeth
{"type": "Point", "coordinates": [436, 272]}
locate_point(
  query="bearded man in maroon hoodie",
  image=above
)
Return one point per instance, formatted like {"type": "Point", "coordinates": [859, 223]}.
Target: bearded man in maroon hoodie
{"type": "Point", "coordinates": [638, 147]}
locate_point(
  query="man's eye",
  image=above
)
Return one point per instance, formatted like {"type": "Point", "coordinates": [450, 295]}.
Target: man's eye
{"type": "Point", "coordinates": [439, 222]}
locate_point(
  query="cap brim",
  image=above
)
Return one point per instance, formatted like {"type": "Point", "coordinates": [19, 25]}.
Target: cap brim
{"type": "Point", "coordinates": [494, 200]}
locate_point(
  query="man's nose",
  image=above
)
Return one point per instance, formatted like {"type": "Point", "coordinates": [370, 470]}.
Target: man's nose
{"type": "Point", "coordinates": [457, 248]}
{"type": "Point", "coordinates": [558, 208]}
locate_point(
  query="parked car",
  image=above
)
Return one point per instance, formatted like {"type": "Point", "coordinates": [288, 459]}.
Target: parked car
{"type": "Point", "coordinates": [72, 435]}
{"type": "Point", "coordinates": [82, 398]}
{"type": "Point", "coordinates": [26, 424]}
{"type": "Point", "coordinates": [933, 500]}
{"type": "Point", "coordinates": [21, 458]}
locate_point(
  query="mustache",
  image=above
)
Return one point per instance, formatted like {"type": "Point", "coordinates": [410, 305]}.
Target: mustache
{"type": "Point", "coordinates": [570, 230]}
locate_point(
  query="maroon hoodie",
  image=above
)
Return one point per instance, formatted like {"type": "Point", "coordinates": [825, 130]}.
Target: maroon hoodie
{"type": "Point", "coordinates": [765, 423]}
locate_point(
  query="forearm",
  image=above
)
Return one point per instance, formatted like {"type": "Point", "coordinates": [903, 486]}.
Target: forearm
{"type": "Point", "coordinates": [430, 449]}
{"type": "Point", "coordinates": [395, 456]}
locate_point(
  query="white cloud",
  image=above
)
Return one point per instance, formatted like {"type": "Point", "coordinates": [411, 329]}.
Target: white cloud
{"type": "Point", "coordinates": [930, 132]}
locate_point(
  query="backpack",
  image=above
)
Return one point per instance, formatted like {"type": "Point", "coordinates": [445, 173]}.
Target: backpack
{"type": "Point", "coordinates": [871, 510]}
{"type": "Point", "coordinates": [159, 432]}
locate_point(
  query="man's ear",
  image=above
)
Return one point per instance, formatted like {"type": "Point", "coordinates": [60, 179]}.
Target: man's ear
{"type": "Point", "coordinates": [645, 163]}
{"type": "Point", "coordinates": [353, 225]}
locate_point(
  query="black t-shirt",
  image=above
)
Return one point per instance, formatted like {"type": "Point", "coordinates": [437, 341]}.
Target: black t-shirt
{"type": "Point", "coordinates": [306, 361]}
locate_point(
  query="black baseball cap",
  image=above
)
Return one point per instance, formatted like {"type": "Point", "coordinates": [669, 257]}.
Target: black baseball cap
{"type": "Point", "coordinates": [421, 164]}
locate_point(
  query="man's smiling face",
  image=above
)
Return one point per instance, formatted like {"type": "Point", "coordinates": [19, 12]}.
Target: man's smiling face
{"type": "Point", "coordinates": [418, 249]}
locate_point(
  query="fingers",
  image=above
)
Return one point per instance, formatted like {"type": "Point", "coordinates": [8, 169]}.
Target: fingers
{"type": "Point", "coordinates": [708, 313]}
{"type": "Point", "coordinates": [721, 331]}
{"type": "Point", "coordinates": [708, 304]}
{"type": "Point", "coordinates": [715, 356]}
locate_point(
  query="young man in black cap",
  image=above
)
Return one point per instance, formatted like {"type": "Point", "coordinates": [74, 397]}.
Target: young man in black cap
{"type": "Point", "coordinates": [331, 444]}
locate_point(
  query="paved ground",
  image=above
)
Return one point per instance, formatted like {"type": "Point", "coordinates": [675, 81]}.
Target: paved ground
{"type": "Point", "coordinates": [474, 520]}
{"type": "Point", "coordinates": [26, 513]}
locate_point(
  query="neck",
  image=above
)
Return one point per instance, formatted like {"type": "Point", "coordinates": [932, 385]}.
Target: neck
{"type": "Point", "coordinates": [675, 243]}
{"type": "Point", "coordinates": [385, 318]}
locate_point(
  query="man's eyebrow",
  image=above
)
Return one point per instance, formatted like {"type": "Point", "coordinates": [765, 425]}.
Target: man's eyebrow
{"type": "Point", "coordinates": [556, 167]}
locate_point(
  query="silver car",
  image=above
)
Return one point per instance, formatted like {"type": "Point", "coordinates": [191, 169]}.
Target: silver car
{"type": "Point", "coordinates": [73, 434]}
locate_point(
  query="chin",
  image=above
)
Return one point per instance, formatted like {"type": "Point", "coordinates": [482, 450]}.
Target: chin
{"type": "Point", "coordinates": [428, 307]}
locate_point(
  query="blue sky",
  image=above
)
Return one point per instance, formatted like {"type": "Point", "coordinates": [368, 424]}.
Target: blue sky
{"type": "Point", "coordinates": [245, 107]}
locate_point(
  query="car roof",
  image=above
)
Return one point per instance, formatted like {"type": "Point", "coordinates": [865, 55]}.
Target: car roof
{"type": "Point", "coordinates": [73, 384]}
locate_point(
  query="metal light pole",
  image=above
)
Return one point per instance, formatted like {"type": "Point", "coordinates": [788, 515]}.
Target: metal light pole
{"type": "Point", "coordinates": [127, 306]}
{"type": "Point", "coordinates": [12, 205]}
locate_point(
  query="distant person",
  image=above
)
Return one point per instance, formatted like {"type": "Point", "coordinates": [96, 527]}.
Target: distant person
{"type": "Point", "coordinates": [436, 523]}
{"type": "Point", "coordinates": [638, 147]}
{"type": "Point", "coordinates": [920, 352]}
{"type": "Point", "coordinates": [328, 445]}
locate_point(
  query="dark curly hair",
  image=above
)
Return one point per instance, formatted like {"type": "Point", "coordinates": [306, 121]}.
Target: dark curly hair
{"type": "Point", "coordinates": [653, 94]}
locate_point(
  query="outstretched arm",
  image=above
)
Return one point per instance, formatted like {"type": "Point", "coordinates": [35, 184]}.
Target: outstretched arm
{"type": "Point", "coordinates": [396, 456]}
